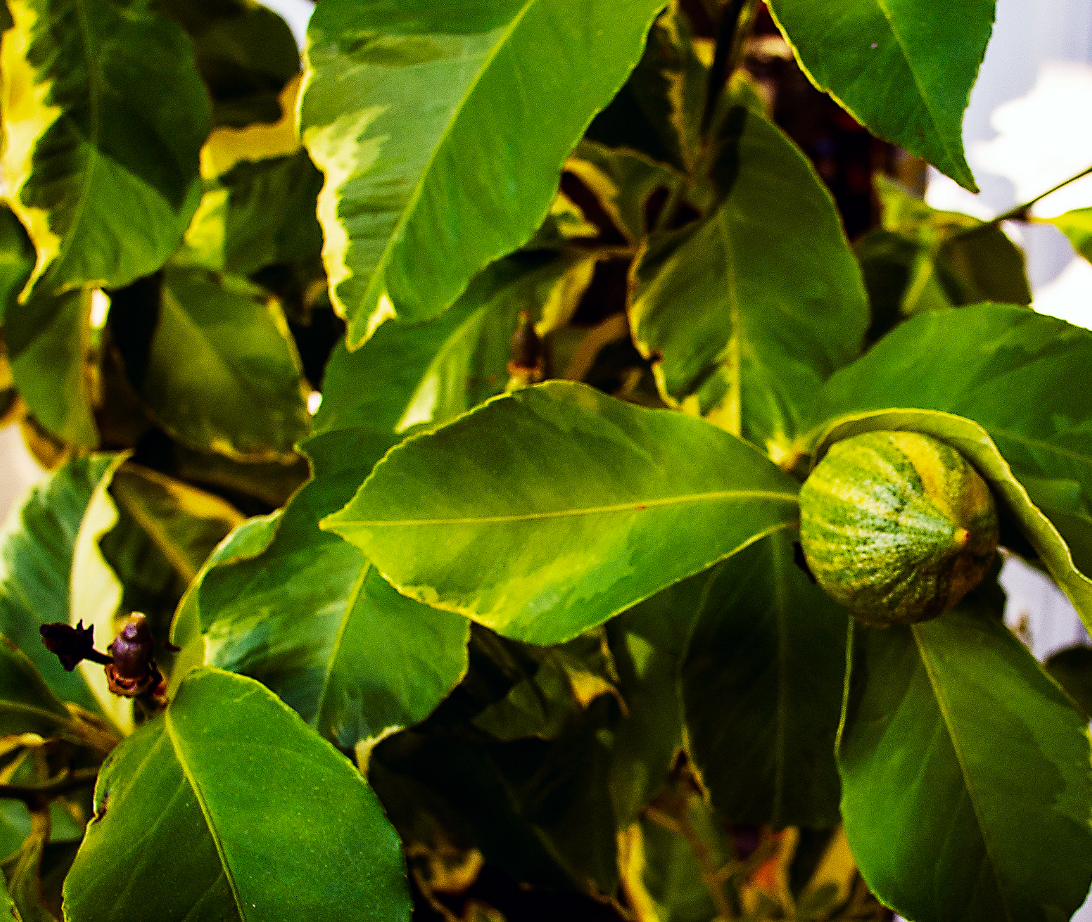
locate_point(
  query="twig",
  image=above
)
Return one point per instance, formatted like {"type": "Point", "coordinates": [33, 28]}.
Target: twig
{"type": "Point", "coordinates": [32, 794]}
{"type": "Point", "coordinates": [711, 874]}
{"type": "Point", "coordinates": [1020, 212]}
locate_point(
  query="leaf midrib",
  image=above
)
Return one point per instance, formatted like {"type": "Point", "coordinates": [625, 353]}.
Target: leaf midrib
{"type": "Point", "coordinates": [94, 82]}
{"type": "Point", "coordinates": [882, 4]}
{"type": "Point", "coordinates": [210, 824]}
{"type": "Point", "coordinates": [339, 639]}
{"type": "Point", "coordinates": [34, 710]}
{"type": "Point", "coordinates": [1084, 459]}
{"type": "Point", "coordinates": [153, 526]}
{"type": "Point", "coordinates": [394, 241]}
{"type": "Point", "coordinates": [635, 505]}
{"type": "Point", "coordinates": [944, 709]}
{"type": "Point", "coordinates": [219, 360]}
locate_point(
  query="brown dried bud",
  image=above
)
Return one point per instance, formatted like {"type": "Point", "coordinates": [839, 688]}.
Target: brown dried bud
{"type": "Point", "coordinates": [71, 645]}
{"type": "Point", "coordinates": [133, 648]}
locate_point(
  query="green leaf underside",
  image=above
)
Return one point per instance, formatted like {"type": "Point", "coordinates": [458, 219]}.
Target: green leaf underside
{"type": "Point", "coordinates": [622, 181]}
{"type": "Point", "coordinates": [240, 390]}
{"type": "Point", "coordinates": [966, 778]}
{"type": "Point", "coordinates": [893, 66]}
{"type": "Point", "coordinates": [762, 686]}
{"type": "Point", "coordinates": [659, 110]}
{"type": "Point", "coordinates": [583, 504]}
{"type": "Point", "coordinates": [432, 372]}
{"type": "Point", "coordinates": [925, 259]}
{"type": "Point", "coordinates": [1077, 226]}
{"type": "Point", "coordinates": [104, 116]}
{"type": "Point", "coordinates": [36, 550]}
{"type": "Point", "coordinates": [175, 835]}
{"type": "Point", "coordinates": [442, 134]}
{"type": "Point", "coordinates": [755, 306]}
{"type": "Point", "coordinates": [183, 522]}
{"type": "Point", "coordinates": [313, 620]}
{"type": "Point", "coordinates": [1012, 497]}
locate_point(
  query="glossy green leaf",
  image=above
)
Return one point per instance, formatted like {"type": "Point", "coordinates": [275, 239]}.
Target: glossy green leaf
{"type": "Point", "coordinates": [998, 365]}
{"type": "Point", "coordinates": [48, 341]}
{"type": "Point", "coordinates": [429, 373]}
{"type": "Point", "coordinates": [245, 52]}
{"type": "Point", "coordinates": [1072, 669]}
{"type": "Point", "coordinates": [16, 259]}
{"type": "Point", "coordinates": [753, 307]}
{"type": "Point", "coordinates": [966, 774]}
{"type": "Point", "coordinates": [27, 705]}
{"type": "Point", "coordinates": [240, 390]}
{"type": "Point", "coordinates": [894, 67]}
{"type": "Point", "coordinates": [1077, 226]}
{"type": "Point", "coordinates": [174, 835]}
{"type": "Point", "coordinates": [36, 550]}
{"type": "Point", "coordinates": [762, 686]}
{"type": "Point", "coordinates": [1012, 496]}
{"type": "Point", "coordinates": [104, 117]}
{"type": "Point", "coordinates": [434, 166]}
{"type": "Point", "coordinates": [258, 214]}
{"type": "Point", "coordinates": [313, 620]}
{"type": "Point", "coordinates": [583, 506]}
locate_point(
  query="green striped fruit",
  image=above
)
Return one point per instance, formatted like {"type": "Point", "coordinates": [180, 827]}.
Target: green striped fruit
{"type": "Point", "coordinates": [896, 526]}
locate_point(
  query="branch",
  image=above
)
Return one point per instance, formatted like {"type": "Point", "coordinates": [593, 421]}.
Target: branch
{"type": "Point", "coordinates": [1020, 212]}
{"type": "Point", "coordinates": [31, 794]}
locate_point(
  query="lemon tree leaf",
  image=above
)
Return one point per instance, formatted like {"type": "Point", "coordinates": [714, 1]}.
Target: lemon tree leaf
{"type": "Point", "coordinates": [590, 505]}
{"type": "Point", "coordinates": [411, 111]}
{"type": "Point", "coordinates": [104, 117]}
{"type": "Point", "coordinates": [966, 774]}
{"type": "Point", "coordinates": [174, 834]}
{"type": "Point", "coordinates": [893, 66]}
